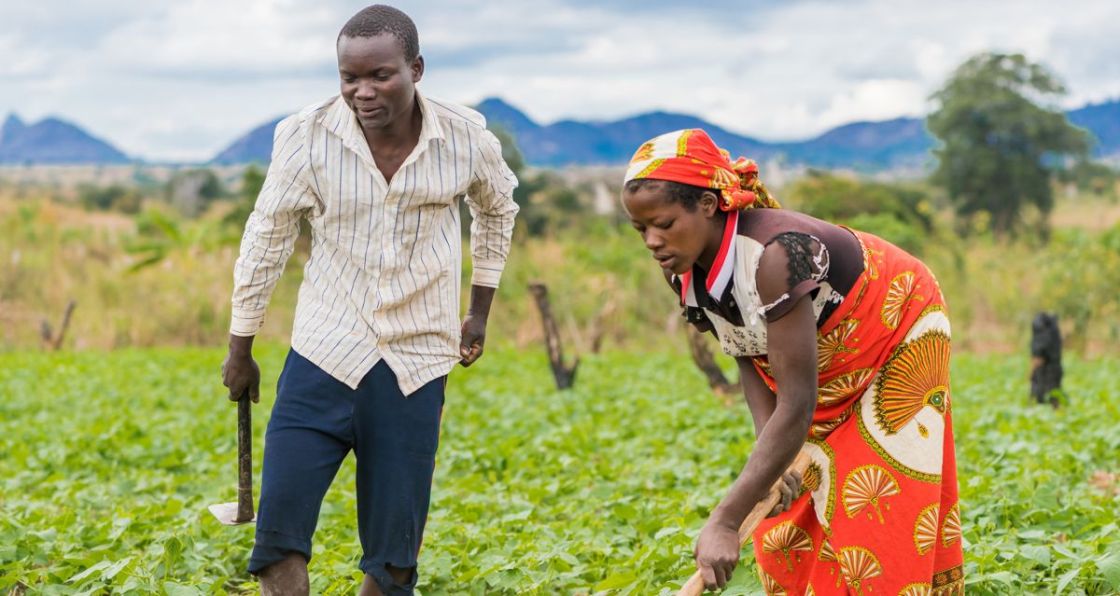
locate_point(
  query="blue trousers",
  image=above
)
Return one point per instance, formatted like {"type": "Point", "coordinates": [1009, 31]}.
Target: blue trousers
{"type": "Point", "coordinates": [315, 422]}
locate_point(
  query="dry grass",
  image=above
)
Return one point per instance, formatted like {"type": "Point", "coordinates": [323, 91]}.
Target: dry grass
{"type": "Point", "coordinates": [51, 254]}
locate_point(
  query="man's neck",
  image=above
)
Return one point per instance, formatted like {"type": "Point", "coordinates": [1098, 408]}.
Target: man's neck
{"type": "Point", "coordinates": [400, 134]}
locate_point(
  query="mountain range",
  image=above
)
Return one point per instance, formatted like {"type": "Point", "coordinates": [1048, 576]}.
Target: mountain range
{"type": "Point", "coordinates": [886, 144]}
{"type": "Point", "coordinates": [866, 146]}
{"type": "Point", "coordinates": [53, 141]}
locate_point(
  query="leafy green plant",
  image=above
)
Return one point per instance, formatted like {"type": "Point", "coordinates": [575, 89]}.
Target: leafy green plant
{"type": "Point", "coordinates": [107, 462]}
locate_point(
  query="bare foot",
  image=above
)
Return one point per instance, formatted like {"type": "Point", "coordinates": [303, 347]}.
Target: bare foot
{"type": "Point", "coordinates": [400, 576]}
{"type": "Point", "coordinates": [287, 577]}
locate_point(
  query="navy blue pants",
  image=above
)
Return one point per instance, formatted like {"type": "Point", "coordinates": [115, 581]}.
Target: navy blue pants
{"type": "Point", "coordinates": [315, 422]}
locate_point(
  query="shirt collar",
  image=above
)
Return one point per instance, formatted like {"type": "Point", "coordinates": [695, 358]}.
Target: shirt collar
{"type": "Point", "coordinates": [723, 267]}
{"type": "Point", "coordinates": [430, 128]}
{"type": "Point", "coordinates": [341, 121]}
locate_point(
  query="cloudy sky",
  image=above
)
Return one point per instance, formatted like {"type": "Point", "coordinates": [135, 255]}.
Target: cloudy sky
{"type": "Point", "coordinates": [179, 80]}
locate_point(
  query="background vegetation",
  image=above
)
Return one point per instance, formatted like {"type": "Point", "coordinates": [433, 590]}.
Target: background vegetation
{"type": "Point", "coordinates": [159, 278]}
{"type": "Point", "coordinates": [111, 447]}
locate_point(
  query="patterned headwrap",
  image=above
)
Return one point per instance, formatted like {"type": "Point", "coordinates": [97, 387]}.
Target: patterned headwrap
{"type": "Point", "coordinates": [691, 157]}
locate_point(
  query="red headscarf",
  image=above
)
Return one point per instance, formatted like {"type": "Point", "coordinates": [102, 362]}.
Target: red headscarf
{"type": "Point", "coordinates": [691, 157]}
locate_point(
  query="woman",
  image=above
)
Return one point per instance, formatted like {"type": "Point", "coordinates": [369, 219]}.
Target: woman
{"type": "Point", "coordinates": [842, 341]}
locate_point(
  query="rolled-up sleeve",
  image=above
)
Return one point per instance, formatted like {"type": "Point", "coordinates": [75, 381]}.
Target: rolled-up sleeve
{"type": "Point", "coordinates": [493, 210]}
{"type": "Point", "coordinates": [272, 228]}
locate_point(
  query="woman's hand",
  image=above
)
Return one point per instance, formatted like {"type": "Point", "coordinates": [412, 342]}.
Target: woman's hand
{"type": "Point", "coordinates": [717, 554]}
{"type": "Point", "coordinates": [790, 487]}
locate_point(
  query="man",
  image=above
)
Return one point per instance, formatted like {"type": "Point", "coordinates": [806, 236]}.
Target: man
{"type": "Point", "coordinates": [377, 173]}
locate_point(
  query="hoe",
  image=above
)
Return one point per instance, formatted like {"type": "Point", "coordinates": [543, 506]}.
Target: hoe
{"type": "Point", "coordinates": [695, 584]}
{"type": "Point", "coordinates": [241, 512]}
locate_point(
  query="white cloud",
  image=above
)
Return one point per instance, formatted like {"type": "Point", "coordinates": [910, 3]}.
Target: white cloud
{"type": "Point", "coordinates": [180, 80]}
{"type": "Point", "coordinates": [20, 63]}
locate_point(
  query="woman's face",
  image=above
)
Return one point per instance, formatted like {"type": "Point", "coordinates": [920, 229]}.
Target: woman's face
{"type": "Point", "coordinates": [676, 236]}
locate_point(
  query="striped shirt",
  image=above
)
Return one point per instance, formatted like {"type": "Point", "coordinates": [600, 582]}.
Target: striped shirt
{"type": "Point", "coordinates": [384, 273]}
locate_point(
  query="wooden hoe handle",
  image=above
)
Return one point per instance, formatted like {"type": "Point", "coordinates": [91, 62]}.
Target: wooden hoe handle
{"type": "Point", "coordinates": [695, 584]}
{"type": "Point", "coordinates": [244, 460]}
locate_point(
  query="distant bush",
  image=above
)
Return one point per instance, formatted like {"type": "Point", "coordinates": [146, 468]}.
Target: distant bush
{"type": "Point", "coordinates": [252, 180]}
{"type": "Point", "coordinates": [1094, 178]}
{"type": "Point", "coordinates": [1081, 278]}
{"type": "Point", "coordinates": [192, 191]}
{"type": "Point", "coordinates": [900, 214]}
{"type": "Point", "coordinates": [596, 267]}
{"type": "Point", "coordinates": [114, 197]}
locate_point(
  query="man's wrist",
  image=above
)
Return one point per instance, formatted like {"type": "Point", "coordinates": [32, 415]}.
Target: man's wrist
{"type": "Point", "coordinates": [241, 346]}
{"type": "Point", "coordinates": [482, 297]}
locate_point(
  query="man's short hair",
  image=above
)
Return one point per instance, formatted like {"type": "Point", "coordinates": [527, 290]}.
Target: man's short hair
{"type": "Point", "coordinates": [376, 19]}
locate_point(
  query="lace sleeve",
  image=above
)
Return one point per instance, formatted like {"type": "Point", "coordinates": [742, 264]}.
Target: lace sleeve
{"type": "Point", "coordinates": [792, 265]}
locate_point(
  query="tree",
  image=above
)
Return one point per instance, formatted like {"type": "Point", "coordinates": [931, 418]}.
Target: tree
{"type": "Point", "coordinates": [191, 191]}
{"type": "Point", "coordinates": [252, 180]}
{"type": "Point", "coordinates": [899, 213]}
{"type": "Point", "coordinates": [530, 218]}
{"type": "Point", "coordinates": [117, 197]}
{"type": "Point", "coordinates": [1001, 136]}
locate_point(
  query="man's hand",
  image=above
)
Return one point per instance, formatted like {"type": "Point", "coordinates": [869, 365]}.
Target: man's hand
{"type": "Point", "coordinates": [240, 372]}
{"type": "Point", "coordinates": [474, 336]}
{"type": "Point", "coordinates": [790, 487]}
{"type": "Point", "coordinates": [717, 554]}
{"type": "Point", "coordinates": [474, 326]}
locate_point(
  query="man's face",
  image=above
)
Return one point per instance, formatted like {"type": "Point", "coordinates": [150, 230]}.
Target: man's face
{"type": "Point", "coordinates": [377, 82]}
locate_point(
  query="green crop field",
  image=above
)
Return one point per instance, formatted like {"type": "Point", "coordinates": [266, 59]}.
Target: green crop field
{"type": "Point", "coordinates": [108, 460]}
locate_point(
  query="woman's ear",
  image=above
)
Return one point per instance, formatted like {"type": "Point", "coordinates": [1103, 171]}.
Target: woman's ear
{"type": "Point", "coordinates": [709, 203]}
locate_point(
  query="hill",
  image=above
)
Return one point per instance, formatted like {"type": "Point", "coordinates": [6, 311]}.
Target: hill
{"type": "Point", "coordinates": [53, 141]}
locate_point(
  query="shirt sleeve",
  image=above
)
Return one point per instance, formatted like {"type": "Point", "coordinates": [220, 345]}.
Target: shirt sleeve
{"type": "Point", "coordinates": [792, 265]}
{"type": "Point", "coordinates": [490, 198]}
{"type": "Point", "coordinates": [272, 228]}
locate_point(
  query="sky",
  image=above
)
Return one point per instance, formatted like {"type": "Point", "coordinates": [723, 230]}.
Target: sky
{"type": "Point", "coordinates": [179, 80]}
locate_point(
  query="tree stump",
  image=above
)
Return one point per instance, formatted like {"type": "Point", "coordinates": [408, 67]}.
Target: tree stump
{"type": "Point", "coordinates": [565, 375]}
{"type": "Point", "coordinates": [1046, 359]}
{"type": "Point", "coordinates": [53, 341]}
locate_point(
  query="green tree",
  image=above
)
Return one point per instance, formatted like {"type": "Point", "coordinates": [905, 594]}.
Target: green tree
{"type": "Point", "coordinates": [531, 217]}
{"type": "Point", "coordinates": [1001, 136]}
{"type": "Point", "coordinates": [116, 197]}
{"type": "Point", "coordinates": [1093, 178]}
{"type": "Point", "coordinates": [252, 181]}
{"type": "Point", "coordinates": [899, 213]}
{"type": "Point", "coordinates": [192, 191]}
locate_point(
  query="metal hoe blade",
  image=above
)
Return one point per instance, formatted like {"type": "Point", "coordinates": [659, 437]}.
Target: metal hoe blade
{"type": "Point", "coordinates": [241, 512]}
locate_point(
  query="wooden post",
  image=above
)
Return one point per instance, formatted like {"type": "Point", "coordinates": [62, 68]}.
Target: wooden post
{"type": "Point", "coordinates": [50, 340]}
{"type": "Point", "coordinates": [598, 325]}
{"type": "Point", "coordinates": [565, 375]}
{"type": "Point", "coordinates": [1046, 359]}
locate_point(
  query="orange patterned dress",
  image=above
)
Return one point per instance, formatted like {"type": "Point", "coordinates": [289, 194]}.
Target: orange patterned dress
{"type": "Point", "coordinates": [879, 511]}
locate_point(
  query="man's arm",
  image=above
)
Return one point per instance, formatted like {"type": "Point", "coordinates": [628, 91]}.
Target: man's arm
{"type": "Point", "coordinates": [474, 324]}
{"type": "Point", "coordinates": [493, 210]}
{"type": "Point", "coordinates": [268, 241]}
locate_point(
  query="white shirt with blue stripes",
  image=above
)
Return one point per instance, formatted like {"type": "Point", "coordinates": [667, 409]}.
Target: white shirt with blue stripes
{"type": "Point", "coordinates": [383, 277]}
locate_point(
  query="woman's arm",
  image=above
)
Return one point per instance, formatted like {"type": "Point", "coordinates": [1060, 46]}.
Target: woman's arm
{"type": "Point", "coordinates": [760, 399]}
{"type": "Point", "coordinates": [793, 358]}
{"type": "Point", "coordinates": [783, 423]}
